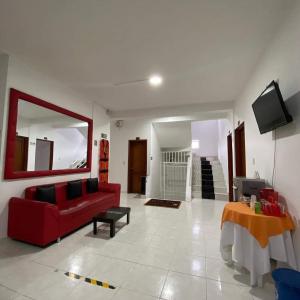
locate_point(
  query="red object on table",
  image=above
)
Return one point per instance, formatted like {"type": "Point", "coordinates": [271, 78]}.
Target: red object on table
{"type": "Point", "coordinates": [269, 194]}
{"type": "Point", "coordinates": [270, 205]}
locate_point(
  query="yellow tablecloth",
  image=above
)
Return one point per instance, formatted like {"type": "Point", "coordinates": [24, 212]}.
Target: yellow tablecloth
{"type": "Point", "coordinates": [260, 226]}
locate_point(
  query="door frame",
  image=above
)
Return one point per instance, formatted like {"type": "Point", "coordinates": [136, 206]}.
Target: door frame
{"type": "Point", "coordinates": [26, 144]}
{"type": "Point", "coordinates": [129, 161]}
{"type": "Point", "coordinates": [240, 151]}
{"type": "Point", "coordinates": [230, 166]}
{"type": "Point", "coordinates": [51, 152]}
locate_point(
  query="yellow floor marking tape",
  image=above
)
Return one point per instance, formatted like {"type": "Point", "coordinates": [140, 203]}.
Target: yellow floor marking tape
{"type": "Point", "coordinates": [90, 280]}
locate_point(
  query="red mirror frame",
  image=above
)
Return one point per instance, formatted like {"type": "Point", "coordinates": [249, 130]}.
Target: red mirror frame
{"type": "Point", "coordinates": [9, 173]}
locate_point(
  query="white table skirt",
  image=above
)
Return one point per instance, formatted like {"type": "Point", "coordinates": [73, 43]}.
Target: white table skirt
{"type": "Point", "coordinates": [239, 245]}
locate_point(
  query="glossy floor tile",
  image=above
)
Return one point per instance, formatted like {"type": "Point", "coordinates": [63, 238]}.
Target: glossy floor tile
{"type": "Point", "coordinates": [166, 254]}
{"type": "Point", "coordinates": [220, 290]}
{"type": "Point", "coordinates": [181, 286]}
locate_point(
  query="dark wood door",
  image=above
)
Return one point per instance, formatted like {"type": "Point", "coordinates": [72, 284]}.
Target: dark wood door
{"type": "Point", "coordinates": [240, 151]}
{"type": "Point", "coordinates": [137, 164]}
{"type": "Point", "coordinates": [230, 166]}
{"type": "Point", "coordinates": [21, 153]}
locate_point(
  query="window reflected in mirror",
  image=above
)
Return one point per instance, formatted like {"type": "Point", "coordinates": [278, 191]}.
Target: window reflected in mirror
{"type": "Point", "coordinates": [48, 140]}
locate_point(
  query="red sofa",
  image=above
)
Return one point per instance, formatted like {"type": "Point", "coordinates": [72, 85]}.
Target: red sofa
{"type": "Point", "coordinates": [41, 223]}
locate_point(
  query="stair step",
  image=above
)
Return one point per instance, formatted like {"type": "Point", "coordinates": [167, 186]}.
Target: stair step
{"type": "Point", "coordinates": [207, 172]}
{"type": "Point", "coordinates": [208, 189]}
{"type": "Point", "coordinates": [196, 188]}
{"type": "Point", "coordinates": [220, 189]}
{"type": "Point", "coordinates": [207, 177]}
{"type": "Point", "coordinates": [197, 195]}
{"type": "Point", "coordinates": [218, 177]}
{"type": "Point", "coordinates": [208, 195]}
{"type": "Point", "coordinates": [221, 196]}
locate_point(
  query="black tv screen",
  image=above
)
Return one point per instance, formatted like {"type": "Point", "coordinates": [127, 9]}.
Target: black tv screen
{"type": "Point", "coordinates": [269, 109]}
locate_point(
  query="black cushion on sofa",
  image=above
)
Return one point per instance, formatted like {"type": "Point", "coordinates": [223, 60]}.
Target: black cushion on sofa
{"type": "Point", "coordinates": [46, 193]}
{"type": "Point", "coordinates": [92, 185]}
{"type": "Point", "coordinates": [74, 189]}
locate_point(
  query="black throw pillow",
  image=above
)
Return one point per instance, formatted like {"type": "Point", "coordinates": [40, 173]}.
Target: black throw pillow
{"type": "Point", "coordinates": [92, 185]}
{"type": "Point", "coordinates": [46, 193]}
{"type": "Point", "coordinates": [74, 189]}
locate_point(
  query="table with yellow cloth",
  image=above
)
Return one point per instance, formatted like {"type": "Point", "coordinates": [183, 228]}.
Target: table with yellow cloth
{"type": "Point", "coordinates": [251, 240]}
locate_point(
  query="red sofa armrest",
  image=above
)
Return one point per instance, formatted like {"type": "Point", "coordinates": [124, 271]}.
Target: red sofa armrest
{"type": "Point", "coordinates": [33, 221]}
{"type": "Point", "coordinates": [112, 188]}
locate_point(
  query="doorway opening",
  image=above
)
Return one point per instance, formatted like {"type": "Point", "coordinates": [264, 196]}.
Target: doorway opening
{"type": "Point", "coordinates": [21, 153]}
{"type": "Point", "coordinates": [137, 165]}
{"type": "Point", "coordinates": [230, 166]}
{"type": "Point", "coordinates": [240, 151]}
{"type": "Point", "coordinates": [44, 155]}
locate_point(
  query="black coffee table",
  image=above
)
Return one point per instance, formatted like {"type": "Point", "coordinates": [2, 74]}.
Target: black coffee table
{"type": "Point", "coordinates": [111, 216]}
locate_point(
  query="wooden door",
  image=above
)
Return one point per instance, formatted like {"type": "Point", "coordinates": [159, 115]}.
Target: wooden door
{"type": "Point", "coordinates": [21, 153]}
{"type": "Point", "coordinates": [137, 164]}
{"type": "Point", "coordinates": [240, 151]}
{"type": "Point", "coordinates": [230, 166]}
{"type": "Point", "coordinates": [43, 155]}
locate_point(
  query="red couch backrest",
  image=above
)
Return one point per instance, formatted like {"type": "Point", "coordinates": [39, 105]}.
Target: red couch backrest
{"type": "Point", "coordinates": [60, 191]}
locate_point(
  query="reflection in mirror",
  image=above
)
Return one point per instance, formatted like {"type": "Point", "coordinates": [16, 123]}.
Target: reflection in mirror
{"type": "Point", "coordinates": [48, 140]}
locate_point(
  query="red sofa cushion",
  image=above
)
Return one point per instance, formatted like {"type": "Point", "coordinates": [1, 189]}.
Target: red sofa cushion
{"type": "Point", "coordinates": [82, 211]}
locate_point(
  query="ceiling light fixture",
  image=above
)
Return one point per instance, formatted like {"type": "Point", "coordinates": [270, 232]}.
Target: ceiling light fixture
{"type": "Point", "coordinates": [155, 80]}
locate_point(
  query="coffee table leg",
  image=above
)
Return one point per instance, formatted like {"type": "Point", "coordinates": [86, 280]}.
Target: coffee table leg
{"type": "Point", "coordinates": [128, 218]}
{"type": "Point", "coordinates": [95, 226]}
{"type": "Point", "coordinates": [112, 228]}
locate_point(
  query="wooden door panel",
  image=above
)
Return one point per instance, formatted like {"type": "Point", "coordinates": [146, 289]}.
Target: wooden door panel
{"type": "Point", "coordinates": [230, 167]}
{"type": "Point", "coordinates": [21, 153]}
{"type": "Point", "coordinates": [240, 151]}
{"type": "Point", "coordinates": [137, 164]}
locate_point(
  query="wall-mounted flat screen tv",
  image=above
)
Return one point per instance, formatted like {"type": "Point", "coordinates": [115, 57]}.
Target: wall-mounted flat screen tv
{"type": "Point", "coordinates": [270, 110]}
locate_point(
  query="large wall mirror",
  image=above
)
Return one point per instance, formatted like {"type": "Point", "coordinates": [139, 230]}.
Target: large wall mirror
{"type": "Point", "coordinates": [44, 139]}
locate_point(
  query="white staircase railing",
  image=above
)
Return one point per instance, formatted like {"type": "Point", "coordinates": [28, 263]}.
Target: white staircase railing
{"type": "Point", "coordinates": [188, 191]}
{"type": "Point", "coordinates": [175, 175]}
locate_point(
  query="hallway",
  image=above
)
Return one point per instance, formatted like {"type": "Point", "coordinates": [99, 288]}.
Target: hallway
{"type": "Point", "coordinates": [164, 253]}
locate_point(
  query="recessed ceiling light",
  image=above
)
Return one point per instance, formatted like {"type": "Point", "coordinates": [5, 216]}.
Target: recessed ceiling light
{"type": "Point", "coordinates": [155, 80]}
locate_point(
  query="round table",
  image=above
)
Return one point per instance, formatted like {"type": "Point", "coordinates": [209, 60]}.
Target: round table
{"type": "Point", "coordinates": [252, 239]}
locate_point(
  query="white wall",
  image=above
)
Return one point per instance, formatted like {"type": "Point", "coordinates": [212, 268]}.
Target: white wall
{"type": "Point", "coordinates": [207, 133]}
{"type": "Point", "coordinates": [280, 61]}
{"type": "Point", "coordinates": [3, 81]}
{"type": "Point", "coordinates": [155, 165]}
{"type": "Point", "coordinates": [24, 78]}
{"type": "Point", "coordinates": [131, 129]}
{"type": "Point", "coordinates": [224, 126]}
{"type": "Point", "coordinates": [174, 134]}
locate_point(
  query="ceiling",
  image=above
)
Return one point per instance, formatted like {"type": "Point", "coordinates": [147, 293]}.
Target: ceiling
{"type": "Point", "coordinates": [206, 50]}
{"type": "Point", "coordinates": [32, 111]}
{"type": "Point", "coordinates": [39, 114]}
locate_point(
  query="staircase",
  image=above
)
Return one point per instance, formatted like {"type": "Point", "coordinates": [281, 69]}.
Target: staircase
{"type": "Point", "coordinates": [208, 179]}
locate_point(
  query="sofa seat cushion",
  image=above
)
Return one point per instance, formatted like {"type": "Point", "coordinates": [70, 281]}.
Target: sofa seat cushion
{"type": "Point", "coordinates": [87, 200]}
{"type": "Point", "coordinates": [83, 210]}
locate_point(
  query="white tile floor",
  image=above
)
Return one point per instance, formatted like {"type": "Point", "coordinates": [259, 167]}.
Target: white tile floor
{"type": "Point", "coordinates": [164, 253]}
